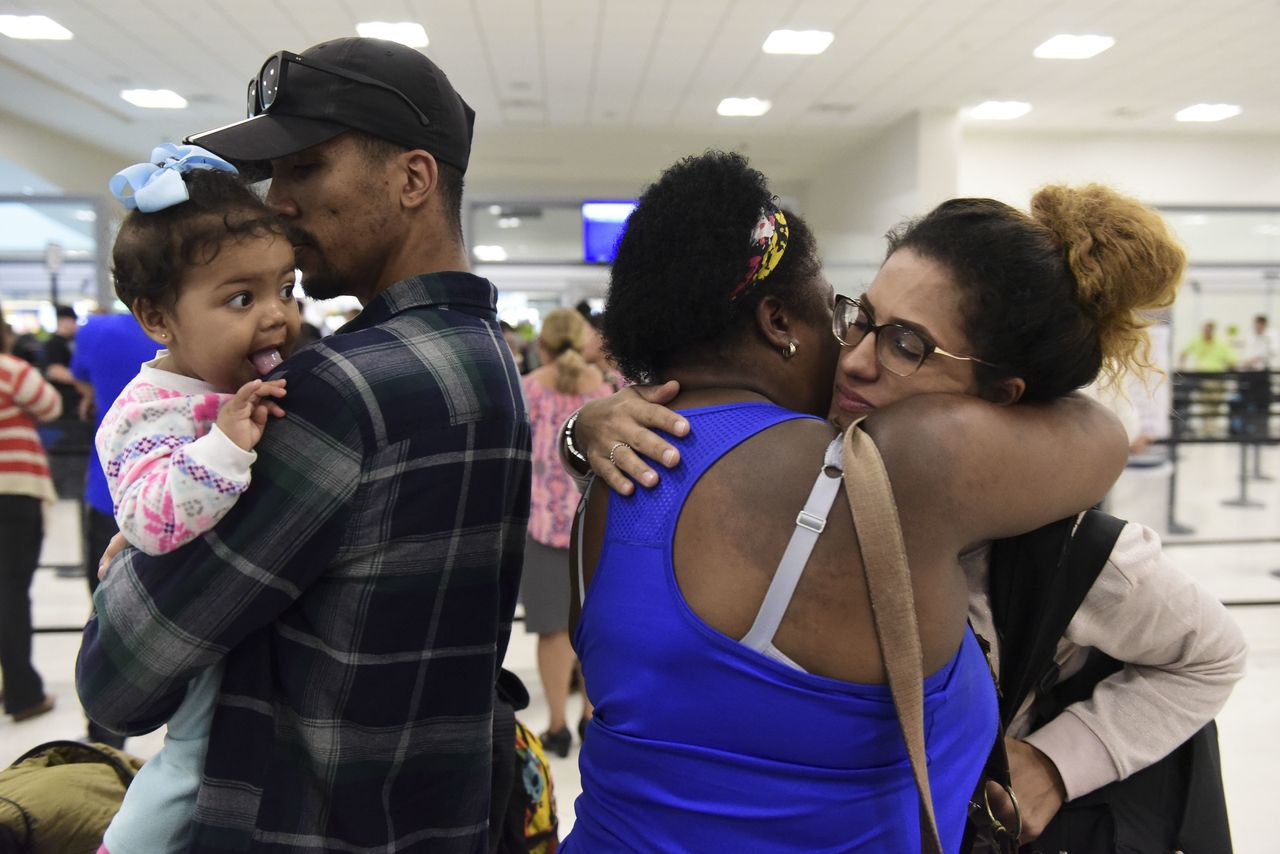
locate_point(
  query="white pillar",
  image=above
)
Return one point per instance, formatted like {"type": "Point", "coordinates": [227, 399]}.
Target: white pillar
{"type": "Point", "coordinates": [899, 173]}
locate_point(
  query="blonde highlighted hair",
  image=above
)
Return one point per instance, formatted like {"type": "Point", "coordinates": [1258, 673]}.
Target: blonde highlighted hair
{"type": "Point", "coordinates": [1059, 296]}
{"type": "Point", "coordinates": [1126, 263]}
{"type": "Point", "coordinates": [564, 336]}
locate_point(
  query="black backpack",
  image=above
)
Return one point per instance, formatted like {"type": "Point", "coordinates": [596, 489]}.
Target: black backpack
{"type": "Point", "coordinates": [1038, 580]}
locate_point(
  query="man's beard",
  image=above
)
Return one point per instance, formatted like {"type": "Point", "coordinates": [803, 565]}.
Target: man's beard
{"type": "Point", "coordinates": [319, 278]}
{"type": "Point", "coordinates": [322, 282]}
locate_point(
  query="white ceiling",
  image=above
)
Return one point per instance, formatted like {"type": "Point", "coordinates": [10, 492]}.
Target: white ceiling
{"type": "Point", "coordinates": [588, 90]}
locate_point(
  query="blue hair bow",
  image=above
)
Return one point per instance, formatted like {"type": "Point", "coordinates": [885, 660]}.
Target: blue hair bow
{"type": "Point", "coordinates": [157, 185]}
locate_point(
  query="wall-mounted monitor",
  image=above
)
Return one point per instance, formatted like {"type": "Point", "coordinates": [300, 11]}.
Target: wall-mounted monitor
{"type": "Point", "coordinates": [602, 225]}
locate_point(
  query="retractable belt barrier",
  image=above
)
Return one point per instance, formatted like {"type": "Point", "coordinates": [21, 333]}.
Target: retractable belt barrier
{"type": "Point", "coordinates": [68, 462]}
{"type": "Point", "coordinates": [1223, 407]}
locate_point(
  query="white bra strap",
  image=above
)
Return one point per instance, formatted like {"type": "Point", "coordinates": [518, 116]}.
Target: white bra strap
{"type": "Point", "coordinates": [809, 524]}
{"type": "Point", "coordinates": [582, 523]}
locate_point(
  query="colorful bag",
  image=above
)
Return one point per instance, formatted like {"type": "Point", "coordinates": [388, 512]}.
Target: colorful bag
{"type": "Point", "coordinates": [533, 798]}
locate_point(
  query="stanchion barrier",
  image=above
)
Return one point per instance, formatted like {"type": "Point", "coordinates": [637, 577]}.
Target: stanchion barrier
{"type": "Point", "coordinates": [1223, 407]}
{"type": "Point", "coordinates": [67, 463]}
{"type": "Point", "coordinates": [67, 449]}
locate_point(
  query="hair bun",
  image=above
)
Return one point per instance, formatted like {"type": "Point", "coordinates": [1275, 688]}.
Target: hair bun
{"type": "Point", "coordinates": [1125, 262]}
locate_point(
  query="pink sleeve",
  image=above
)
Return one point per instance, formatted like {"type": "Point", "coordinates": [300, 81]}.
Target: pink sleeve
{"type": "Point", "coordinates": [168, 484]}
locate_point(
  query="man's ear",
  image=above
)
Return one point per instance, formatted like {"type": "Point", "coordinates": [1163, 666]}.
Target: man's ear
{"type": "Point", "coordinates": [153, 320]}
{"type": "Point", "coordinates": [1006, 392]}
{"type": "Point", "coordinates": [421, 178]}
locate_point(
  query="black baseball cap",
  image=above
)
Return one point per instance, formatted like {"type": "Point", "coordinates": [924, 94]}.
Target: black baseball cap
{"type": "Point", "coordinates": [314, 105]}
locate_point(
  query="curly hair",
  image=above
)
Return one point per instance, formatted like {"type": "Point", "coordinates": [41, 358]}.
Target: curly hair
{"type": "Point", "coordinates": [153, 250]}
{"type": "Point", "coordinates": [685, 247]}
{"type": "Point", "coordinates": [1059, 296]}
{"type": "Point", "coordinates": [564, 334]}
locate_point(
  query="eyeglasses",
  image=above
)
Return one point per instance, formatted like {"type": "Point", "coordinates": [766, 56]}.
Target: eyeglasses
{"type": "Point", "coordinates": [266, 85]}
{"type": "Point", "coordinates": [900, 349]}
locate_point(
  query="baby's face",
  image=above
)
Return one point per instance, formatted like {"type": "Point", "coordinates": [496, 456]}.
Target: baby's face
{"type": "Point", "coordinates": [236, 318]}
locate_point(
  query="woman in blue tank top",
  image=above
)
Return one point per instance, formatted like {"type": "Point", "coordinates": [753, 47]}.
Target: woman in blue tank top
{"type": "Point", "coordinates": [739, 693]}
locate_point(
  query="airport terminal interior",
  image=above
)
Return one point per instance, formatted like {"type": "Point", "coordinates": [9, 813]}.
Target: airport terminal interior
{"type": "Point", "coordinates": [862, 113]}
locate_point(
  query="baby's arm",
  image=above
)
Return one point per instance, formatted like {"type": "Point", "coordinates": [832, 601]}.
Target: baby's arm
{"type": "Point", "coordinates": [168, 488]}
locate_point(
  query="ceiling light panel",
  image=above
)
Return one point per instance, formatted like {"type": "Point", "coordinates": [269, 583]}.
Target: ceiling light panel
{"type": "Point", "coordinates": [999, 110]}
{"type": "Point", "coordinates": [798, 42]}
{"type": "Point", "coordinates": [155, 99]}
{"type": "Point", "coordinates": [743, 107]}
{"type": "Point", "coordinates": [1073, 47]}
{"type": "Point", "coordinates": [405, 32]}
{"type": "Point", "coordinates": [33, 27]}
{"type": "Point", "coordinates": [1207, 112]}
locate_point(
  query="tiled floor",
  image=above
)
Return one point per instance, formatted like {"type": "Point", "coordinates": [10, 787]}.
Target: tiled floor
{"type": "Point", "coordinates": [1246, 574]}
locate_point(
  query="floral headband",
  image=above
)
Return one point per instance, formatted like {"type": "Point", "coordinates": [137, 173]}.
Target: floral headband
{"type": "Point", "coordinates": [154, 186]}
{"type": "Point", "coordinates": [768, 242]}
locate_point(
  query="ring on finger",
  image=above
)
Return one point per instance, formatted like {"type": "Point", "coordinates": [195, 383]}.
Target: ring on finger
{"type": "Point", "coordinates": [614, 450]}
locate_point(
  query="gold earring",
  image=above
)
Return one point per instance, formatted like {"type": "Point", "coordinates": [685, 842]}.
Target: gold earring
{"type": "Point", "coordinates": [791, 349]}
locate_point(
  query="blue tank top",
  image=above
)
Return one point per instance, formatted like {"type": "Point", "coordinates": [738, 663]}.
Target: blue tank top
{"type": "Point", "coordinates": [701, 744]}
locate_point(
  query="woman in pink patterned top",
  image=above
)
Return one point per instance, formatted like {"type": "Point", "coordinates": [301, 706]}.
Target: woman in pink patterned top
{"type": "Point", "coordinates": [563, 383]}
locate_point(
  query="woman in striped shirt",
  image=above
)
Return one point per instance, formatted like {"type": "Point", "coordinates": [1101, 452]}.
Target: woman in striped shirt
{"type": "Point", "coordinates": [25, 397]}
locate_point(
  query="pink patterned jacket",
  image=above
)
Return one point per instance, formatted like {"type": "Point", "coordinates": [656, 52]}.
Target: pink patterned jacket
{"type": "Point", "coordinates": [172, 473]}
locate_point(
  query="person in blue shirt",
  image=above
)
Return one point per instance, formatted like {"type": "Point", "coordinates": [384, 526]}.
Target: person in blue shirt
{"type": "Point", "coordinates": [109, 350]}
{"type": "Point", "coordinates": [738, 683]}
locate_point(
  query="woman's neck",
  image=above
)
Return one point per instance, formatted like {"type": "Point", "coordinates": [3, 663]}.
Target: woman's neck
{"type": "Point", "coordinates": [700, 386]}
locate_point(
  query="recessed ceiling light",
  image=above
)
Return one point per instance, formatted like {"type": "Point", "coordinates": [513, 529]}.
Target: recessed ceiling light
{"type": "Point", "coordinates": [405, 32]}
{"type": "Point", "coordinates": [1000, 110]}
{"type": "Point", "coordinates": [743, 107]}
{"type": "Point", "coordinates": [1207, 112]}
{"type": "Point", "coordinates": [155, 99]}
{"type": "Point", "coordinates": [800, 42]}
{"type": "Point", "coordinates": [33, 27]}
{"type": "Point", "coordinates": [489, 253]}
{"type": "Point", "coordinates": [1073, 47]}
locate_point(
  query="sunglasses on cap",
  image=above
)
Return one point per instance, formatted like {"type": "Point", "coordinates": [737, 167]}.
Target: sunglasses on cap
{"type": "Point", "coordinates": [266, 85]}
{"type": "Point", "coordinates": [900, 349]}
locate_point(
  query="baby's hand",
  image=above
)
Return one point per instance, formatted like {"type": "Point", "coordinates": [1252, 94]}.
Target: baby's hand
{"type": "Point", "coordinates": [243, 417]}
{"type": "Point", "coordinates": [118, 544]}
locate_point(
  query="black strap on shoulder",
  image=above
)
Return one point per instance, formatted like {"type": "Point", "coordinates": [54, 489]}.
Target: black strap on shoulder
{"type": "Point", "coordinates": [1036, 583]}
{"type": "Point", "coordinates": [1038, 580]}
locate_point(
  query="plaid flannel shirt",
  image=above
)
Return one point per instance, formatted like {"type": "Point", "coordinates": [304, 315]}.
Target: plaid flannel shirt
{"type": "Point", "coordinates": [360, 593]}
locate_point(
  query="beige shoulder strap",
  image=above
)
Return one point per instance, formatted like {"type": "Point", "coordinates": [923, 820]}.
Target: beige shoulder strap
{"type": "Point", "coordinates": [884, 559]}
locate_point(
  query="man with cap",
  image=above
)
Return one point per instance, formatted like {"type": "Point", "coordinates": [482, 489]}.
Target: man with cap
{"type": "Point", "coordinates": [360, 593]}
